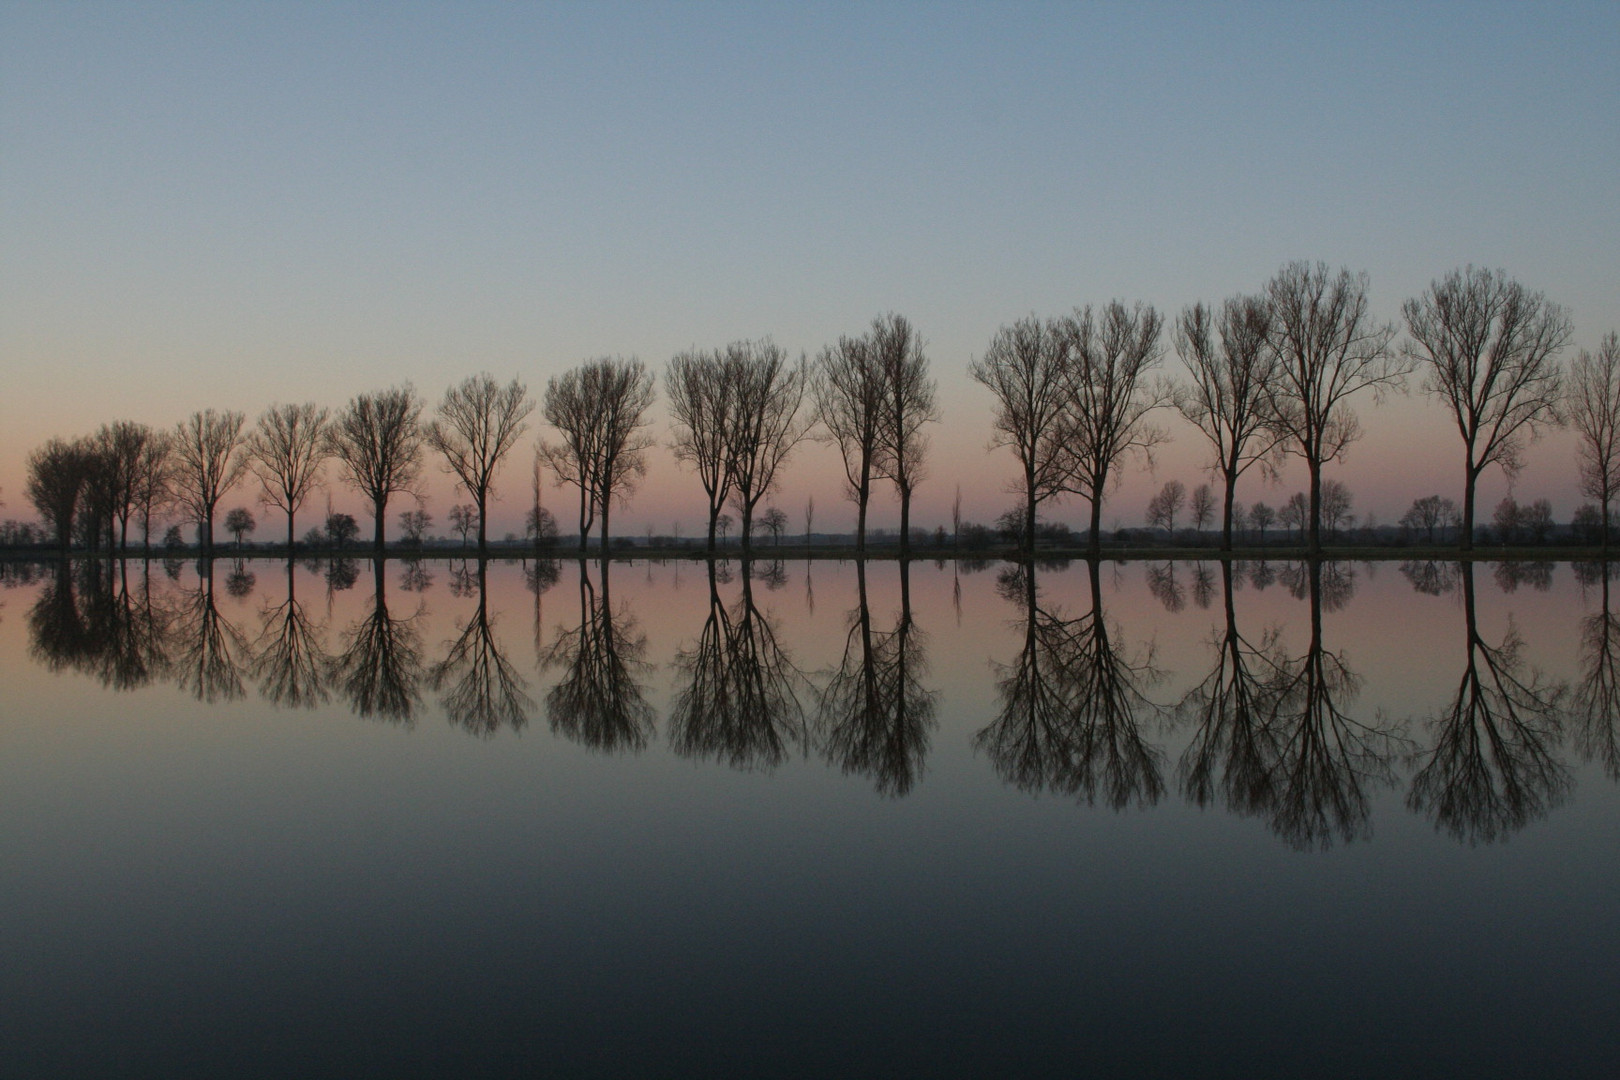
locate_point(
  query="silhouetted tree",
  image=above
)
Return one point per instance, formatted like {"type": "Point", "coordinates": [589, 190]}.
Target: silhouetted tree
{"type": "Point", "coordinates": [766, 423]}
{"type": "Point", "coordinates": [600, 410]}
{"type": "Point", "coordinates": [341, 529]}
{"type": "Point", "coordinates": [479, 421]}
{"type": "Point", "coordinates": [702, 404]}
{"type": "Point", "coordinates": [847, 390]}
{"type": "Point", "coordinates": [1336, 503]}
{"type": "Point", "coordinates": [1227, 398]}
{"type": "Point", "coordinates": [207, 465]}
{"type": "Point", "coordinates": [153, 489]}
{"type": "Point", "coordinates": [1492, 769]}
{"type": "Point", "coordinates": [1202, 507]}
{"type": "Point", "coordinates": [57, 474]}
{"type": "Point", "coordinates": [1489, 349]}
{"type": "Point", "coordinates": [774, 522]}
{"type": "Point", "coordinates": [908, 404]}
{"type": "Point", "coordinates": [1328, 348]}
{"type": "Point", "coordinates": [413, 525]}
{"type": "Point", "coordinates": [377, 439]}
{"type": "Point", "coordinates": [1164, 507]}
{"type": "Point", "coordinates": [1593, 408]}
{"type": "Point", "coordinates": [1026, 367]}
{"type": "Point", "coordinates": [1432, 515]}
{"type": "Point", "coordinates": [1261, 516]}
{"type": "Point", "coordinates": [287, 451]}
{"type": "Point", "coordinates": [238, 522]}
{"type": "Point", "coordinates": [1110, 356]}
{"type": "Point", "coordinates": [125, 453]}
{"type": "Point", "coordinates": [463, 520]}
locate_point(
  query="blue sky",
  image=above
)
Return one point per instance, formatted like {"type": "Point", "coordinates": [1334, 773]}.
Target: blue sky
{"type": "Point", "coordinates": [230, 205]}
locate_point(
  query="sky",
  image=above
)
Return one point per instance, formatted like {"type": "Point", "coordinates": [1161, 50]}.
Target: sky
{"type": "Point", "coordinates": [235, 205]}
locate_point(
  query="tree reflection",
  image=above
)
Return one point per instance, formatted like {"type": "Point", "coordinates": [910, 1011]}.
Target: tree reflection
{"type": "Point", "coordinates": [1327, 763]}
{"type": "Point", "coordinates": [482, 690]}
{"type": "Point", "coordinates": [1510, 575]}
{"type": "Point", "coordinates": [210, 651]}
{"type": "Point", "coordinates": [1432, 577]}
{"type": "Point", "coordinates": [1595, 704]}
{"type": "Point", "coordinates": [875, 715]}
{"type": "Point", "coordinates": [1492, 770]}
{"type": "Point", "coordinates": [87, 618]}
{"type": "Point", "coordinates": [379, 671]}
{"type": "Point", "coordinates": [739, 702]}
{"type": "Point", "coordinates": [1234, 747]}
{"type": "Point", "coordinates": [1072, 706]}
{"type": "Point", "coordinates": [599, 703]}
{"type": "Point", "coordinates": [288, 658]}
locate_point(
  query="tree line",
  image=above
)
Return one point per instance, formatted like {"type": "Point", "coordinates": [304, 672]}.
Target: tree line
{"type": "Point", "coordinates": [1270, 376]}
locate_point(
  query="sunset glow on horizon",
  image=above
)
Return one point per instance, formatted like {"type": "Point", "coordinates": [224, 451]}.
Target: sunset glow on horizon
{"type": "Point", "coordinates": [232, 207]}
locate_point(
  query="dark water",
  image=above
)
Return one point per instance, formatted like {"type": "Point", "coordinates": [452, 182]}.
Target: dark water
{"type": "Point", "coordinates": [569, 820]}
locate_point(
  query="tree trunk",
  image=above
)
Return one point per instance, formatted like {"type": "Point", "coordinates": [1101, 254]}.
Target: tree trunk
{"type": "Point", "coordinates": [483, 545]}
{"type": "Point", "coordinates": [862, 494]}
{"type": "Point", "coordinates": [1314, 542]}
{"type": "Point", "coordinates": [379, 532]}
{"type": "Point", "coordinates": [905, 522]}
{"type": "Point", "coordinates": [1226, 514]}
{"type": "Point", "coordinates": [1465, 539]}
{"type": "Point", "coordinates": [1094, 544]}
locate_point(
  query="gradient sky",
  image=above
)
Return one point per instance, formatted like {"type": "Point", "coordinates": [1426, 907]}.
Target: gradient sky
{"type": "Point", "coordinates": [238, 204]}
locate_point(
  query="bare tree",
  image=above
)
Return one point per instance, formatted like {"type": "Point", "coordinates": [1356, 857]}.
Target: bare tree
{"type": "Point", "coordinates": [1593, 405]}
{"type": "Point", "coordinates": [207, 466]}
{"type": "Point", "coordinates": [1164, 507]}
{"type": "Point", "coordinates": [1336, 503]}
{"type": "Point", "coordinates": [809, 516]}
{"type": "Point", "coordinates": [478, 423]}
{"type": "Point", "coordinates": [701, 403]}
{"type": "Point", "coordinates": [908, 404]}
{"type": "Point", "coordinates": [1026, 368]}
{"type": "Point", "coordinates": [378, 440]}
{"type": "Point", "coordinates": [57, 472]}
{"type": "Point", "coordinates": [122, 448]}
{"type": "Point", "coordinates": [600, 409]}
{"type": "Point", "coordinates": [847, 390]}
{"type": "Point", "coordinates": [154, 481]}
{"type": "Point", "coordinates": [1432, 514]}
{"type": "Point", "coordinates": [1262, 516]}
{"type": "Point", "coordinates": [1227, 398]}
{"type": "Point", "coordinates": [1202, 506]}
{"type": "Point", "coordinates": [286, 451]}
{"type": "Point", "coordinates": [1328, 348]}
{"type": "Point", "coordinates": [1110, 355]}
{"type": "Point", "coordinates": [1489, 348]}
{"type": "Point", "coordinates": [463, 520]}
{"type": "Point", "coordinates": [767, 426]}
{"type": "Point", "coordinates": [239, 522]}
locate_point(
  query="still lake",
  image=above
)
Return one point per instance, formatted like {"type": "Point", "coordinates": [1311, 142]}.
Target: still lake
{"type": "Point", "coordinates": [809, 819]}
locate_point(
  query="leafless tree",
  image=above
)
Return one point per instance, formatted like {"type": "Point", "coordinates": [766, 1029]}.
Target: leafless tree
{"type": "Point", "coordinates": [57, 472]}
{"type": "Point", "coordinates": [1026, 368]}
{"type": "Point", "coordinates": [1489, 349]}
{"type": "Point", "coordinates": [1262, 515]}
{"type": "Point", "coordinates": [767, 424]}
{"type": "Point", "coordinates": [702, 403]}
{"type": "Point", "coordinates": [286, 451]}
{"type": "Point", "coordinates": [463, 520]}
{"type": "Point", "coordinates": [1227, 398]}
{"type": "Point", "coordinates": [479, 421]}
{"type": "Point", "coordinates": [1202, 506]}
{"type": "Point", "coordinates": [1164, 507]}
{"type": "Point", "coordinates": [378, 440]}
{"type": "Point", "coordinates": [123, 448]}
{"type": "Point", "coordinates": [600, 409]}
{"type": "Point", "coordinates": [1110, 356]}
{"type": "Point", "coordinates": [1593, 406]}
{"type": "Point", "coordinates": [1432, 514]}
{"type": "Point", "coordinates": [154, 481]}
{"type": "Point", "coordinates": [208, 465]}
{"type": "Point", "coordinates": [847, 389]}
{"type": "Point", "coordinates": [1328, 348]}
{"type": "Point", "coordinates": [908, 404]}
{"type": "Point", "coordinates": [1336, 503]}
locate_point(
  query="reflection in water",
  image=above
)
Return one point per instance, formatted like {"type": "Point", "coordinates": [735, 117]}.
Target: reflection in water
{"type": "Point", "coordinates": [1328, 585]}
{"type": "Point", "coordinates": [1492, 770]}
{"type": "Point", "coordinates": [599, 703]}
{"type": "Point", "coordinates": [484, 691]}
{"type": "Point", "coordinates": [1071, 706]}
{"type": "Point", "coordinates": [1537, 575]}
{"type": "Point", "coordinates": [1234, 748]}
{"type": "Point", "coordinates": [1432, 577]}
{"type": "Point", "coordinates": [88, 619]}
{"type": "Point", "coordinates": [875, 715]}
{"type": "Point", "coordinates": [739, 703]}
{"type": "Point", "coordinates": [1327, 762]}
{"type": "Point", "coordinates": [1595, 705]}
{"type": "Point", "coordinates": [288, 658]}
{"type": "Point", "coordinates": [210, 652]}
{"type": "Point", "coordinates": [379, 671]}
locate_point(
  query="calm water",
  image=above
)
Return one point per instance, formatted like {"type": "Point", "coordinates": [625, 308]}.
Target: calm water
{"type": "Point", "coordinates": [1155, 819]}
